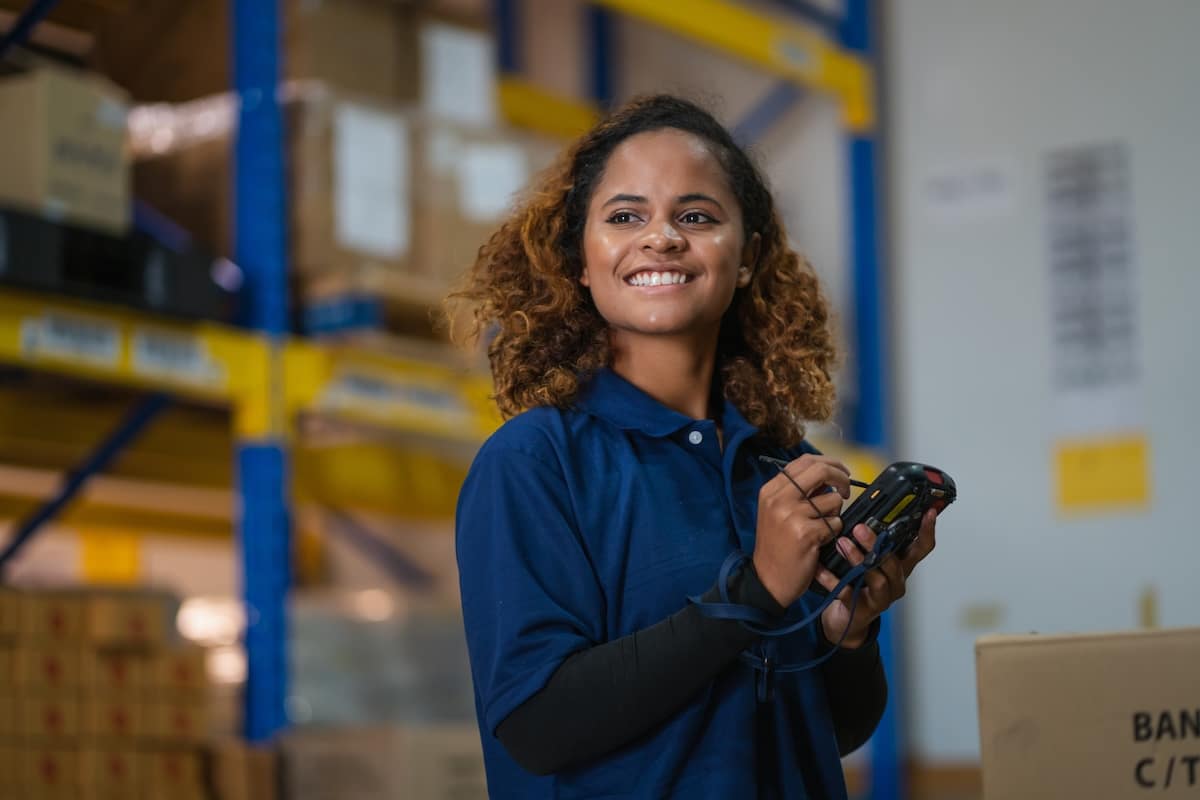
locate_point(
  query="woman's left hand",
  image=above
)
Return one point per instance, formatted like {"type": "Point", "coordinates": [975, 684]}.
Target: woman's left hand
{"type": "Point", "coordinates": [882, 586]}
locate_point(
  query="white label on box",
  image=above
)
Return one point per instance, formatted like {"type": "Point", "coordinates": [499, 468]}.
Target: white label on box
{"type": "Point", "coordinates": [458, 76]}
{"type": "Point", "coordinates": [489, 175]}
{"type": "Point", "coordinates": [84, 340]}
{"type": "Point", "coordinates": [371, 181]}
{"type": "Point", "coordinates": [160, 354]}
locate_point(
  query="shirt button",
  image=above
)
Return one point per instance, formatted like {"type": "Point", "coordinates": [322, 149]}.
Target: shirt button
{"type": "Point", "coordinates": [695, 437]}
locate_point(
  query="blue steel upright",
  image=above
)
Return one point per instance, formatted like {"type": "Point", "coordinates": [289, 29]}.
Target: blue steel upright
{"type": "Point", "coordinates": [262, 464]}
{"type": "Point", "coordinates": [870, 416]}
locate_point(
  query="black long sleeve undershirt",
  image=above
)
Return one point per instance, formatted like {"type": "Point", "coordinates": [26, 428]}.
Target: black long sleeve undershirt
{"type": "Point", "coordinates": [608, 695]}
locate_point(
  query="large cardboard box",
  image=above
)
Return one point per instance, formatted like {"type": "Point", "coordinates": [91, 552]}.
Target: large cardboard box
{"type": "Point", "coordinates": [10, 613]}
{"type": "Point", "coordinates": [166, 51]}
{"type": "Point", "coordinates": [64, 150]}
{"type": "Point", "coordinates": [1101, 716]}
{"type": "Point", "coordinates": [49, 772]}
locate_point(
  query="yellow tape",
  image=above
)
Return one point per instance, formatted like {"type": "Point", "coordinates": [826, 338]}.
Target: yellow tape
{"type": "Point", "coordinates": [1103, 473]}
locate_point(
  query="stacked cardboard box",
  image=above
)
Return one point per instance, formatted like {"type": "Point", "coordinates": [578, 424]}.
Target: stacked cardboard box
{"type": "Point", "coordinates": [95, 700]}
{"type": "Point", "coordinates": [397, 169]}
{"type": "Point", "coordinates": [64, 153]}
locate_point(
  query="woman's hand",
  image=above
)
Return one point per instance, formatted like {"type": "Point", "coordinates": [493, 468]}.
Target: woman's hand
{"type": "Point", "coordinates": [791, 529]}
{"type": "Point", "coordinates": [881, 586]}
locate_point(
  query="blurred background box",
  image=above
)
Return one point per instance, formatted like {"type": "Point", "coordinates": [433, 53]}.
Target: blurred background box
{"type": "Point", "coordinates": [173, 52]}
{"type": "Point", "coordinates": [8, 665]}
{"type": "Point", "coordinates": [50, 718]}
{"type": "Point", "coordinates": [434, 762]}
{"type": "Point", "coordinates": [57, 616]}
{"type": "Point", "coordinates": [10, 718]}
{"type": "Point", "coordinates": [113, 672]}
{"type": "Point", "coordinates": [241, 771]}
{"type": "Point", "coordinates": [49, 667]}
{"type": "Point", "coordinates": [173, 774]}
{"type": "Point", "coordinates": [64, 153]}
{"type": "Point", "coordinates": [114, 717]}
{"type": "Point", "coordinates": [112, 772]}
{"type": "Point", "coordinates": [10, 613]}
{"type": "Point", "coordinates": [175, 720]}
{"type": "Point", "coordinates": [49, 772]}
{"type": "Point", "coordinates": [129, 619]}
{"type": "Point", "coordinates": [179, 670]}
{"type": "Point", "coordinates": [1104, 716]}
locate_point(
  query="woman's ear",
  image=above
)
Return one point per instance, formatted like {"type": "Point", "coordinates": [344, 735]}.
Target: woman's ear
{"type": "Point", "coordinates": [750, 255]}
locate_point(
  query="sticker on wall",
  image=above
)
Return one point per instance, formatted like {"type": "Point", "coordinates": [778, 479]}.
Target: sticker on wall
{"type": "Point", "coordinates": [1101, 452]}
{"type": "Point", "coordinates": [965, 192]}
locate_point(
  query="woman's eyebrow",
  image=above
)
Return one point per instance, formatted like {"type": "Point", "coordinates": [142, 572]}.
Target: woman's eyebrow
{"type": "Point", "coordinates": [698, 197]}
{"type": "Point", "coordinates": [624, 198]}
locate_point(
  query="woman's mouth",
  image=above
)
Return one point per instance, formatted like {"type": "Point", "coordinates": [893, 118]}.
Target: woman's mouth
{"type": "Point", "coordinates": [656, 278]}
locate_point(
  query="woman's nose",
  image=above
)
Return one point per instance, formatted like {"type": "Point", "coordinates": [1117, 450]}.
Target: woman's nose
{"type": "Point", "coordinates": [662, 238]}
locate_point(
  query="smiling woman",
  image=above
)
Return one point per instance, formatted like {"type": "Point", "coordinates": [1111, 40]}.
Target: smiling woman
{"type": "Point", "coordinates": [655, 336]}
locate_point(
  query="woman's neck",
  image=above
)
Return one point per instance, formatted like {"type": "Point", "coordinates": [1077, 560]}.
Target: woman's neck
{"type": "Point", "coordinates": [676, 372]}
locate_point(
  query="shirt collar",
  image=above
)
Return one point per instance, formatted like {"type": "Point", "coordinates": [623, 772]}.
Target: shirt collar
{"type": "Point", "coordinates": [609, 396]}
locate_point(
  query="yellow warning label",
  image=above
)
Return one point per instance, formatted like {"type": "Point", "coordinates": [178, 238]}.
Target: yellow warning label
{"type": "Point", "coordinates": [1103, 474]}
{"type": "Point", "coordinates": [110, 556]}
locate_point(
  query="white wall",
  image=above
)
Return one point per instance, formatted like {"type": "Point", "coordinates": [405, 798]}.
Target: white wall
{"type": "Point", "coordinates": [1003, 83]}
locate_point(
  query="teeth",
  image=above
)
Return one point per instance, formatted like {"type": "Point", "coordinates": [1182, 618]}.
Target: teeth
{"type": "Point", "coordinates": [657, 279]}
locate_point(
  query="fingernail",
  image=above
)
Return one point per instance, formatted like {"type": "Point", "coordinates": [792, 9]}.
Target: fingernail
{"type": "Point", "coordinates": [843, 547]}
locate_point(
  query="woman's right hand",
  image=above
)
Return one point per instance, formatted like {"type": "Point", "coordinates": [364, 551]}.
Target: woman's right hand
{"type": "Point", "coordinates": [791, 530]}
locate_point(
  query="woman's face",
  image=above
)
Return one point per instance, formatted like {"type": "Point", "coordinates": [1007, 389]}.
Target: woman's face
{"type": "Point", "coordinates": [663, 247]}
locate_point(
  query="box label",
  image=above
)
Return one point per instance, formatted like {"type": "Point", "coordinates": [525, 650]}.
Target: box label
{"type": "Point", "coordinates": [82, 340]}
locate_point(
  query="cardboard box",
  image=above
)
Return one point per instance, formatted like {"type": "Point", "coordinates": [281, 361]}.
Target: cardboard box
{"type": "Point", "coordinates": [128, 619]}
{"type": "Point", "coordinates": [50, 773]}
{"type": "Point", "coordinates": [241, 771]}
{"type": "Point", "coordinates": [10, 613]}
{"type": "Point", "coordinates": [10, 715]}
{"type": "Point", "coordinates": [180, 670]}
{"type": "Point", "coordinates": [64, 148]}
{"type": "Point", "coordinates": [8, 665]}
{"type": "Point", "coordinates": [114, 717]}
{"type": "Point", "coordinates": [434, 762]}
{"type": "Point", "coordinates": [56, 616]}
{"type": "Point", "coordinates": [112, 772]}
{"type": "Point", "coordinates": [49, 667]}
{"type": "Point", "coordinates": [175, 52]}
{"type": "Point", "coordinates": [12, 778]}
{"type": "Point", "coordinates": [1098, 716]}
{"type": "Point", "coordinates": [50, 718]}
{"type": "Point", "coordinates": [106, 673]}
{"type": "Point", "coordinates": [178, 720]}
{"type": "Point", "coordinates": [175, 774]}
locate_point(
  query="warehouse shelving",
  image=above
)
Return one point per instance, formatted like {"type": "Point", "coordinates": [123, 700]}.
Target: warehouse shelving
{"type": "Point", "coordinates": [268, 380]}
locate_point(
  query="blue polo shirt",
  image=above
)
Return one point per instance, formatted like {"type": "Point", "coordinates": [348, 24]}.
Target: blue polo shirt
{"type": "Point", "coordinates": [576, 527]}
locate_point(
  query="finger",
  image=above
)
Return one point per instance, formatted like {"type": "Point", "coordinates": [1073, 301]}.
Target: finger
{"type": "Point", "coordinates": [827, 579]}
{"type": "Point", "coordinates": [828, 504]}
{"type": "Point", "coordinates": [849, 551]}
{"type": "Point", "coordinates": [864, 536]}
{"type": "Point", "coordinates": [819, 474]}
{"type": "Point", "coordinates": [893, 573]}
{"type": "Point", "coordinates": [923, 545]}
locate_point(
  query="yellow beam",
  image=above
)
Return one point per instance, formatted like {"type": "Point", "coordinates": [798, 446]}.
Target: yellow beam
{"type": "Point", "coordinates": [398, 394]}
{"type": "Point", "coordinates": [791, 51]}
{"type": "Point", "coordinates": [111, 345]}
{"type": "Point", "coordinates": [527, 106]}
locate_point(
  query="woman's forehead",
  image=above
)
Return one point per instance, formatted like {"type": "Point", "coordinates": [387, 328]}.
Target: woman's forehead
{"type": "Point", "coordinates": [669, 160]}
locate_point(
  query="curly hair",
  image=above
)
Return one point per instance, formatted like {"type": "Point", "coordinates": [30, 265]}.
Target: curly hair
{"type": "Point", "coordinates": [775, 352]}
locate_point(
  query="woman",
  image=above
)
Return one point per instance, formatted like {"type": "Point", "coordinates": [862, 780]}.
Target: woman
{"type": "Point", "coordinates": [654, 335]}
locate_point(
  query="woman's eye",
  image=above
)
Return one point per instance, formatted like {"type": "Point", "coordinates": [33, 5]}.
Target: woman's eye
{"type": "Point", "coordinates": [621, 218]}
{"type": "Point", "coordinates": [696, 218]}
